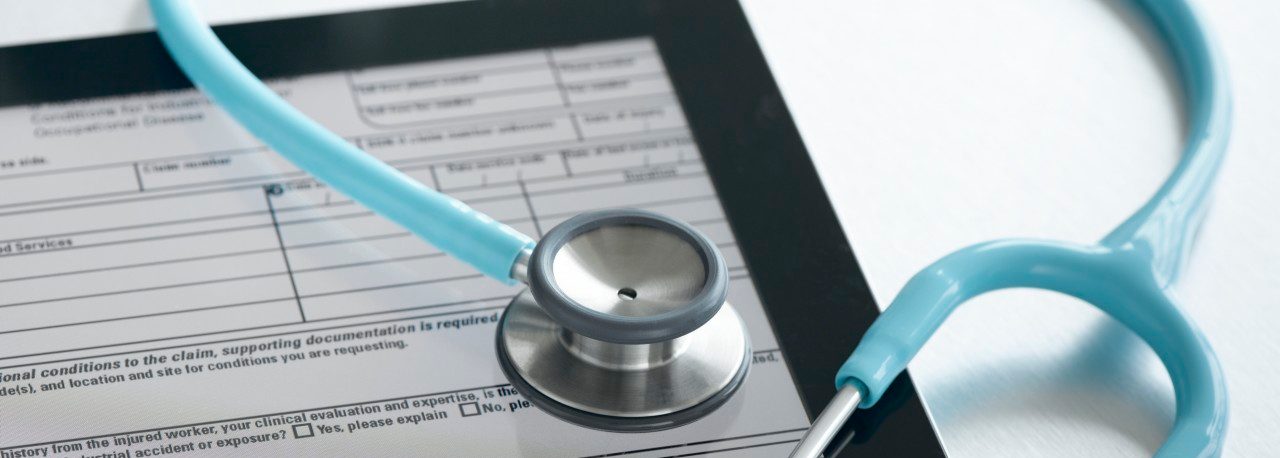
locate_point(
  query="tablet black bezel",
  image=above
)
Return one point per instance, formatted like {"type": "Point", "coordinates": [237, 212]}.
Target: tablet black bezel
{"type": "Point", "coordinates": [803, 267]}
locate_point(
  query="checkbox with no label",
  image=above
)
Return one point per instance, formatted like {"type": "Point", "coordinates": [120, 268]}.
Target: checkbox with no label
{"type": "Point", "coordinates": [469, 409]}
{"type": "Point", "coordinates": [303, 430]}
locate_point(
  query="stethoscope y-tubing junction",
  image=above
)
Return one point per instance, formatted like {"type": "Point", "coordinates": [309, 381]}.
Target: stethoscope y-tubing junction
{"type": "Point", "coordinates": [1127, 275]}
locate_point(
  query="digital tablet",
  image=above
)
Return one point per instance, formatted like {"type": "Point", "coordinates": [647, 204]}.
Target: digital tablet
{"type": "Point", "coordinates": [169, 286]}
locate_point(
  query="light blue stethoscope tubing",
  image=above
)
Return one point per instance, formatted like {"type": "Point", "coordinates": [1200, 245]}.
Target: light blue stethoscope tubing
{"type": "Point", "coordinates": [453, 227]}
{"type": "Point", "coordinates": [1128, 275]}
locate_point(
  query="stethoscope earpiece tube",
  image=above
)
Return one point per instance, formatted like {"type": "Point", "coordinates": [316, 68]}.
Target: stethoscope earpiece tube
{"type": "Point", "coordinates": [1127, 275]}
{"type": "Point", "coordinates": [490, 246]}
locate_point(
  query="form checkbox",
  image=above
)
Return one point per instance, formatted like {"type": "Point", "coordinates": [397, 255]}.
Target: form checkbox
{"type": "Point", "coordinates": [469, 409]}
{"type": "Point", "coordinates": [303, 430]}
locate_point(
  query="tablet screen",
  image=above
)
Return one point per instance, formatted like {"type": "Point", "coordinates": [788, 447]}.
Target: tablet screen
{"type": "Point", "coordinates": [172, 287]}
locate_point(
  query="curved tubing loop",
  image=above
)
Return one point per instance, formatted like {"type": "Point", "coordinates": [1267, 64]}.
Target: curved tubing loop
{"type": "Point", "coordinates": [447, 223]}
{"type": "Point", "coordinates": [1127, 275]}
{"type": "Point", "coordinates": [1118, 282]}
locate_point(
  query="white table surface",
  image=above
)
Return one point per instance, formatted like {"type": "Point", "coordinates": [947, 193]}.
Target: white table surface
{"type": "Point", "coordinates": [940, 124]}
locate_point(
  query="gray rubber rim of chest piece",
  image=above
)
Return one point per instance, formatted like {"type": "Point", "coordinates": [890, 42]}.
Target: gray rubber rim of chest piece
{"type": "Point", "coordinates": [610, 423]}
{"type": "Point", "coordinates": [626, 329]}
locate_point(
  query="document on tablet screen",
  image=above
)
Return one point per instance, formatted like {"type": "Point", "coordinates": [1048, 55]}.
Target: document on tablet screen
{"type": "Point", "coordinates": [169, 286]}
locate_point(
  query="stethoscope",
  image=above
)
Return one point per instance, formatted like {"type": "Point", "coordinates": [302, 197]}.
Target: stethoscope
{"type": "Point", "coordinates": [624, 325]}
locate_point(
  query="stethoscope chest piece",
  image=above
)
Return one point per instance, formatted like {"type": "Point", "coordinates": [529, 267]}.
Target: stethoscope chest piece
{"type": "Point", "coordinates": [624, 326]}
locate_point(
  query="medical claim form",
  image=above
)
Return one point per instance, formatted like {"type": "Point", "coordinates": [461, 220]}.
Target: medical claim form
{"type": "Point", "coordinates": [168, 286]}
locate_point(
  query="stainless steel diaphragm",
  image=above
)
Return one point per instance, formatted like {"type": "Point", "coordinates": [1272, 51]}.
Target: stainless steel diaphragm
{"type": "Point", "coordinates": [624, 326]}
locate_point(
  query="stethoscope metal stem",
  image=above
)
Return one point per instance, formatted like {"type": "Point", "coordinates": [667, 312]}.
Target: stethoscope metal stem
{"type": "Point", "coordinates": [623, 357]}
{"type": "Point", "coordinates": [520, 268]}
{"type": "Point", "coordinates": [828, 423]}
